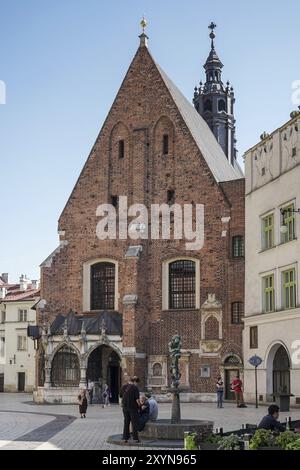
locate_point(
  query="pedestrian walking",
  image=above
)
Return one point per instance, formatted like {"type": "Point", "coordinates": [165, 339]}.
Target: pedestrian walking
{"type": "Point", "coordinates": [83, 403]}
{"type": "Point", "coordinates": [91, 386]}
{"type": "Point", "coordinates": [237, 387]}
{"type": "Point", "coordinates": [106, 396]}
{"type": "Point", "coordinates": [220, 392]}
{"type": "Point", "coordinates": [130, 395]}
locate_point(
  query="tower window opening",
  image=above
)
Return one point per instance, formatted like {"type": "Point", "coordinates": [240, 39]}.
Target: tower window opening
{"type": "Point", "coordinates": [165, 144]}
{"type": "Point", "coordinates": [170, 197]}
{"type": "Point", "coordinates": [208, 105]}
{"type": "Point", "coordinates": [221, 105]}
{"type": "Point", "coordinates": [114, 201]}
{"type": "Point", "coordinates": [121, 149]}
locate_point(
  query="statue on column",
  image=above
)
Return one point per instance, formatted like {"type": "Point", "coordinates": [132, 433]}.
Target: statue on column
{"type": "Point", "coordinates": [175, 355]}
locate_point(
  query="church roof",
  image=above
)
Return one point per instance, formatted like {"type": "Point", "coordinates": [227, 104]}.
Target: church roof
{"type": "Point", "coordinates": [112, 321]}
{"type": "Point", "coordinates": [203, 136]}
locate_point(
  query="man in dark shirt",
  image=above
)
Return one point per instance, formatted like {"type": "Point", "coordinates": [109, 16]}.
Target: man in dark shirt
{"type": "Point", "coordinates": [130, 402]}
{"type": "Point", "coordinates": [270, 421]}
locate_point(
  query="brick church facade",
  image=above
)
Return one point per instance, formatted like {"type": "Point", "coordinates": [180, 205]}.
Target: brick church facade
{"type": "Point", "coordinates": [110, 307]}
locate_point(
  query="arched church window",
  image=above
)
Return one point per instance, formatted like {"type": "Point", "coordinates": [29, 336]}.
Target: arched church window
{"type": "Point", "coordinates": [221, 105]}
{"type": "Point", "coordinates": [157, 369]}
{"type": "Point", "coordinates": [103, 286]}
{"type": "Point", "coordinates": [65, 369]}
{"type": "Point", "coordinates": [208, 105]}
{"type": "Point", "coordinates": [182, 284]}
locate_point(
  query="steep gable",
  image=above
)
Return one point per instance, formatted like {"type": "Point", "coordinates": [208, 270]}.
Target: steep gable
{"type": "Point", "coordinates": [148, 77]}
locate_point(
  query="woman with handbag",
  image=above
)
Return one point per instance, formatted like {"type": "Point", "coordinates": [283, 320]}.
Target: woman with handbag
{"type": "Point", "coordinates": [83, 403]}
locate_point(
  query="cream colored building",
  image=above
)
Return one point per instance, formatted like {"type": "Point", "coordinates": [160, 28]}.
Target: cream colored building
{"type": "Point", "coordinates": [17, 352]}
{"type": "Point", "coordinates": [272, 302]}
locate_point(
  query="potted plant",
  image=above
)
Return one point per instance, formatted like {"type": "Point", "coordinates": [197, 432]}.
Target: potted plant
{"type": "Point", "coordinates": [263, 440]}
{"type": "Point", "coordinates": [190, 442]}
{"type": "Point", "coordinates": [294, 445]}
{"type": "Point", "coordinates": [286, 438]}
{"type": "Point", "coordinates": [209, 441]}
{"type": "Point", "coordinates": [232, 442]}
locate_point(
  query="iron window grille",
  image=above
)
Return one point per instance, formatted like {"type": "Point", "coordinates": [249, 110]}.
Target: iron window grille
{"type": "Point", "coordinates": [103, 286]}
{"type": "Point", "coordinates": [182, 285]}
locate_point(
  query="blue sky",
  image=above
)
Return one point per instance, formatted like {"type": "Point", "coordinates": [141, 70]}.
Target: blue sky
{"type": "Point", "coordinates": [63, 62]}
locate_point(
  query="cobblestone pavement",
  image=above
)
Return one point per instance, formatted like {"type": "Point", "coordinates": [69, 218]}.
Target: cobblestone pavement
{"type": "Point", "coordinates": [24, 425]}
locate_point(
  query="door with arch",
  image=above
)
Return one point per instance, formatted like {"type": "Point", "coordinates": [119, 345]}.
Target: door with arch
{"type": "Point", "coordinates": [232, 368]}
{"type": "Point", "coordinates": [281, 372]}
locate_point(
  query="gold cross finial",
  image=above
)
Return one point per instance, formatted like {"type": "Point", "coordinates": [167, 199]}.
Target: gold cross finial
{"type": "Point", "coordinates": [143, 24]}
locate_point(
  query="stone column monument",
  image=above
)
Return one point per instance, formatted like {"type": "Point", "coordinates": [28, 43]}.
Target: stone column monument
{"type": "Point", "coordinates": [175, 354]}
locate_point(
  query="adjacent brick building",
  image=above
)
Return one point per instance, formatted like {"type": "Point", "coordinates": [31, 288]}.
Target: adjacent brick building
{"type": "Point", "coordinates": [112, 305]}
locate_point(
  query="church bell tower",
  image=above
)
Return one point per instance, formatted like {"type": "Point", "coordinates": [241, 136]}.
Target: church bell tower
{"type": "Point", "coordinates": [215, 102]}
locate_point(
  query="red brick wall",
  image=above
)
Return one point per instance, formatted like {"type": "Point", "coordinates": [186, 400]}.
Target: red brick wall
{"type": "Point", "coordinates": [142, 112]}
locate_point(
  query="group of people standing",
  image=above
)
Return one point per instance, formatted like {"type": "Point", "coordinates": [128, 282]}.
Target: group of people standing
{"type": "Point", "coordinates": [137, 410]}
{"type": "Point", "coordinates": [236, 387]}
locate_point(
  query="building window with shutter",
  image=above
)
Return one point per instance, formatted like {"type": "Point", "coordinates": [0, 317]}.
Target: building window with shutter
{"type": "Point", "coordinates": [22, 343]}
{"type": "Point", "coordinates": [237, 313]}
{"type": "Point", "coordinates": [288, 219]}
{"type": "Point", "coordinates": [289, 288]}
{"type": "Point", "coordinates": [268, 232]}
{"type": "Point", "coordinates": [238, 246]}
{"type": "Point", "coordinates": [182, 284]}
{"type": "Point", "coordinates": [253, 337]}
{"type": "Point", "coordinates": [103, 286]}
{"type": "Point", "coordinates": [22, 314]}
{"type": "Point", "coordinates": [268, 294]}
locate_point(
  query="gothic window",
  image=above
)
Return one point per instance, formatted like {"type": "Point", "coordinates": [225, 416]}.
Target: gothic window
{"type": "Point", "coordinates": [238, 246]}
{"type": "Point", "coordinates": [65, 369]}
{"type": "Point", "coordinates": [237, 313]}
{"type": "Point", "coordinates": [165, 144]}
{"type": "Point", "coordinates": [182, 284]}
{"type": "Point", "coordinates": [221, 105]}
{"type": "Point", "coordinates": [121, 149]}
{"type": "Point", "coordinates": [208, 105]}
{"type": "Point", "coordinates": [157, 369]}
{"type": "Point", "coordinates": [103, 286]}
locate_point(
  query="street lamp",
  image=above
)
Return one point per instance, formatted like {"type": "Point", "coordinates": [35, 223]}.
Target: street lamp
{"type": "Point", "coordinates": [284, 228]}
